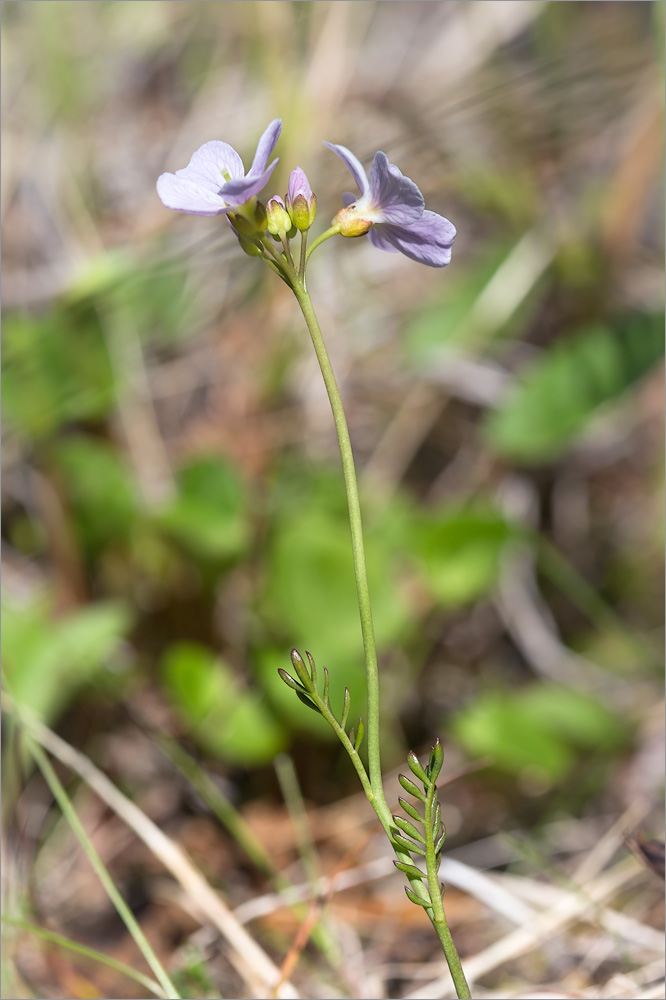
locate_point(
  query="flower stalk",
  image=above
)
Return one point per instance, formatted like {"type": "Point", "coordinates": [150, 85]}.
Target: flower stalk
{"type": "Point", "coordinates": [390, 210]}
{"type": "Point", "coordinates": [358, 549]}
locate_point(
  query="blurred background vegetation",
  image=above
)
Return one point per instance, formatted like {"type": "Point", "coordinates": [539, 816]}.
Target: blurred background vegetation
{"type": "Point", "coordinates": [174, 518]}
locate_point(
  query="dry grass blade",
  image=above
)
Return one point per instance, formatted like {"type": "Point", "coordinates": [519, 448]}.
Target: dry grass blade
{"type": "Point", "coordinates": [573, 906]}
{"type": "Point", "coordinates": [249, 959]}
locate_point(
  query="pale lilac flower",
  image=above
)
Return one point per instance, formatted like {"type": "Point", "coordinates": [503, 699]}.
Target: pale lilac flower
{"type": "Point", "coordinates": [301, 202]}
{"type": "Point", "coordinates": [391, 210]}
{"type": "Point", "coordinates": [214, 181]}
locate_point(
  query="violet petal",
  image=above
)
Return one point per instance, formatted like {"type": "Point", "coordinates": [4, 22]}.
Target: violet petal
{"type": "Point", "coordinates": [237, 192]}
{"type": "Point", "coordinates": [353, 165]}
{"type": "Point", "coordinates": [397, 196]}
{"type": "Point", "coordinates": [428, 241]}
{"type": "Point", "coordinates": [265, 147]}
{"type": "Point", "coordinates": [210, 163]}
{"type": "Point", "coordinates": [184, 195]}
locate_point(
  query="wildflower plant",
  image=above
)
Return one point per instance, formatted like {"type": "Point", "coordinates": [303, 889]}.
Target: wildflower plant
{"type": "Point", "coordinates": [390, 209]}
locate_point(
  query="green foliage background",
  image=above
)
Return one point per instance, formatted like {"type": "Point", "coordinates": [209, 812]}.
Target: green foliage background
{"type": "Point", "coordinates": [173, 516]}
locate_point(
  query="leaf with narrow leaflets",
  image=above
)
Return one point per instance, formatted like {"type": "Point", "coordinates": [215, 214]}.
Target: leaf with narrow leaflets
{"type": "Point", "coordinates": [416, 768]}
{"type": "Point", "coordinates": [302, 696]}
{"type": "Point", "coordinates": [410, 787]}
{"type": "Point", "coordinates": [409, 829]}
{"type": "Point", "coordinates": [410, 810]}
{"type": "Point", "coordinates": [417, 899]}
{"type": "Point", "coordinates": [313, 667]}
{"type": "Point", "coordinates": [359, 735]}
{"type": "Point", "coordinates": [301, 669]}
{"type": "Point", "coordinates": [436, 760]}
{"type": "Point", "coordinates": [289, 680]}
{"type": "Point", "coordinates": [410, 870]}
{"type": "Point", "coordinates": [345, 709]}
{"type": "Point", "coordinates": [407, 845]}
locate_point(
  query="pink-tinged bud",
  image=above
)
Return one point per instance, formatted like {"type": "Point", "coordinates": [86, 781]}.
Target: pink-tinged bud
{"type": "Point", "coordinates": [351, 224]}
{"type": "Point", "coordinates": [278, 217]}
{"type": "Point", "coordinates": [301, 203]}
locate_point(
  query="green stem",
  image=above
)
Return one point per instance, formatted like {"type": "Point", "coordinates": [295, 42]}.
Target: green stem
{"type": "Point", "coordinates": [372, 781]}
{"type": "Point", "coordinates": [377, 796]}
{"type": "Point", "coordinates": [333, 231]}
{"type": "Point", "coordinates": [304, 256]}
{"type": "Point", "coordinates": [452, 959]}
{"type": "Point", "coordinates": [438, 916]}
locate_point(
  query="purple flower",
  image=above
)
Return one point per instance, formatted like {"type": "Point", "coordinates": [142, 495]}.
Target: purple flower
{"type": "Point", "coordinates": [214, 181]}
{"type": "Point", "coordinates": [391, 210]}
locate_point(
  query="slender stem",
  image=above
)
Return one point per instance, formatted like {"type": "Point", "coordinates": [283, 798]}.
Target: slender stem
{"type": "Point", "coordinates": [372, 781]}
{"type": "Point", "coordinates": [320, 239]}
{"type": "Point", "coordinates": [287, 251]}
{"type": "Point", "coordinates": [351, 485]}
{"type": "Point", "coordinates": [438, 917]}
{"type": "Point", "coordinates": [452, 959]}
{"type": "Point", "coordinates": [304, 258]}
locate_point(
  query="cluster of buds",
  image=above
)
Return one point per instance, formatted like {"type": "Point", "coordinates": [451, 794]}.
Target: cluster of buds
{"type": "Point", "coordinates": [296, 213]}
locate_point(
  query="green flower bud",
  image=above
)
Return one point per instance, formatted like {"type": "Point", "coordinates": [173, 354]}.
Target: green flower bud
{"type": "Point", "coordinates": [249, 246]}
{"type": "Point", "coordinates": [301, 202]}
{"type": "Point", "coordinates": [278, 220]}
{"type": "Point", "coordinates": [249, 219]}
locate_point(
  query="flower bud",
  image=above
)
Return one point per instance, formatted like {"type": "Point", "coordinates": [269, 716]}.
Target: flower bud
{"type": "Point", "coordinates": [249, 246]}
{"type": "Point", "coordinates": [249, 219]}
{"type": "Point", "coordinates": [351, 224]}
{"type": "Point", "coordinates": [277, 216]}
{"type": "Point", "coordinates": [301, 202]}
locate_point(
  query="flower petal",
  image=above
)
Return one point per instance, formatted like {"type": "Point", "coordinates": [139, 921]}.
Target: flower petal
{"type": "Point", "coordinates": [398, 198]}
{"type": "Point", "coordinates": [429, 240]}
{"type": "Point", "coordinates": [209, 164]}
{"type": "Point", "coordinates": [237, 192]}
{"type": "Point", "coordinates": [353, 165]}
{"type": "Point", "coordinates": [184, 195]}
{"type": "Point", "coordinates": [265, 147]}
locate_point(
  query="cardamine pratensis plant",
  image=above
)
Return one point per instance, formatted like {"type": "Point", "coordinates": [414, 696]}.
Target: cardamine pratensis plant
{"type": "Point", "coordinates": [391, 210]}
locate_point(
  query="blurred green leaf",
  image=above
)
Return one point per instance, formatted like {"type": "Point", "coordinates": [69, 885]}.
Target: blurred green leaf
{"type": "Point", "coordinates": [46, 661]}
{"type": "Point", "coordinates": [225, 719]}
{"type": "Point", "coordinates": [56, 370]}
{"type": "Point", "coordinates": [458, 550]}
{"type": "Point", "coordinates": [100, 488]}
{"type": "Point", "coordinates": [559, 394]}
{"type": "Point", "coordinates": [456, 323]}
{"type": "Point", "coordinates": [540, 728]}
{"type": "Point", "coordinates": [310, 590]}
{"type": "Point", "coordinates": [209, 516]}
